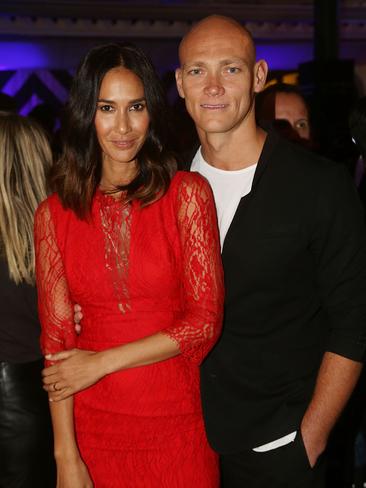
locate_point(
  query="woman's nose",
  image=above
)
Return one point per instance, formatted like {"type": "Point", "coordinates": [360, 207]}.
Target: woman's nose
{"type": "Point", "coordinates": [123, 123]}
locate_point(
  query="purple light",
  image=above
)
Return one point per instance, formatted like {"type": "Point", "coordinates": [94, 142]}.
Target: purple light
{"type": "Point", "coordinates": [58, 54]}
{"type": "Point", "coordinates": [285, 56]}
{"type": "Point", "coordinates": [14, 55]}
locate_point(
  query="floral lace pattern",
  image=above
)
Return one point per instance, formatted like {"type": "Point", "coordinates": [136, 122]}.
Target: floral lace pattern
{"type": "Point", "coordinates": [198, 329]}
{"type": "Point", "coordinates": [116, 224]}
{"type": "Point", "coordinates": [54, 303]}
{"type": "Point", "coordinates": [198, 326]}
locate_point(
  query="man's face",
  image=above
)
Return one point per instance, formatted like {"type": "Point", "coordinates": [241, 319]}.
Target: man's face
{"type": "Point", "coordinates": [218, 78]}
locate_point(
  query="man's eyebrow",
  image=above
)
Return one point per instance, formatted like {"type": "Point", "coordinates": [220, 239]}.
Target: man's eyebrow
{"type": "Point", "coordinates": [193, 63]}
{"type": "Point", "coordinates": [232, 60]}
{"type": "Point", "coordinates": [222, 62]}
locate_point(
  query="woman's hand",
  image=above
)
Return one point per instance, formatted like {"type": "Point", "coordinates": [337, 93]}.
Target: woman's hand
{"type": "Point", "coordinates": [73, 371]}
{"type": "Point", "coordinates": [73, 474]}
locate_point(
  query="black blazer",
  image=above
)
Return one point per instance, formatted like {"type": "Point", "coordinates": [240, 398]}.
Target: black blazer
{"type": "Point", "coordinates": [295, 275]}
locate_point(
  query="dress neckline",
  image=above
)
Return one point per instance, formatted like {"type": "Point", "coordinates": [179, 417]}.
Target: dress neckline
{"type": "Point", "coordinates": [108, 199]}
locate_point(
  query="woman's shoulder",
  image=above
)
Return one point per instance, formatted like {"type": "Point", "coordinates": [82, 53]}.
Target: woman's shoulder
{"type": "Point", "coordinates": [190, 186]}
{"type": "Point", "coordinates": [189, 179]}
{"type": "Point", "coordinates": [51, 202]}
{"type": "Point", "coordinates": [50, 206]}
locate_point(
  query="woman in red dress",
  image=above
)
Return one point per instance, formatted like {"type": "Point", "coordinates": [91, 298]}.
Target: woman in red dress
{"type": "Point", "coordinates": [134, 243]}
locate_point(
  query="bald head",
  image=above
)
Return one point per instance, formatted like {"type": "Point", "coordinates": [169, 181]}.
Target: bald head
{"type": "Point", "coordinates": [219, 76]}
{"type": "Point", "coordinates": [217, 29]}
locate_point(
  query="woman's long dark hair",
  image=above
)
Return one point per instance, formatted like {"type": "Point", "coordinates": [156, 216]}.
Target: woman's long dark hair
{"type": "Point", "coordinates": [78, 172]}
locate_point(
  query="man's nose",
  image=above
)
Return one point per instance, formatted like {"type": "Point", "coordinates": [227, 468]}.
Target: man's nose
{"type": "Point", "coordinates": [214, 86]}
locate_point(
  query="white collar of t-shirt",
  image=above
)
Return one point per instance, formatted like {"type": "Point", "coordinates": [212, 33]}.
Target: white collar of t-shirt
{"type": "Point", "coordinates": [228, 187]}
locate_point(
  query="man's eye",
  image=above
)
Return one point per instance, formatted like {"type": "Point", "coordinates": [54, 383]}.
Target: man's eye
{"type": "Point", "coordinates": [195, 71]}
{"type": "Point", "coordinates": [302, 124]}
{"type": "Point", "coordinates": [233, 69]}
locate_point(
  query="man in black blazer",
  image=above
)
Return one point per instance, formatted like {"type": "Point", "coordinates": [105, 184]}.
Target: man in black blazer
{"type": "Point", "coordinates": [294, 253]}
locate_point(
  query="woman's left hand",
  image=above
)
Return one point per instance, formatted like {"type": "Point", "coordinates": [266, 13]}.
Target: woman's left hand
{"type": "Point", "coordinates": [73, 371]}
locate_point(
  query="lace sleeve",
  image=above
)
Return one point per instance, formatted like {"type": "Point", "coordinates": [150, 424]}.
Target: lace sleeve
{"type": "Point", "coordinates": [54, 304]}
{"type": "Point", "coordinates": [199, 327]}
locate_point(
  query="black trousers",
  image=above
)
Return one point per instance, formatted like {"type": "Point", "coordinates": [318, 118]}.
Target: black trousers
{"type": "Point", "coordinates": [285, 467]}
{"type": "Point", "coordinates": [26, 444]}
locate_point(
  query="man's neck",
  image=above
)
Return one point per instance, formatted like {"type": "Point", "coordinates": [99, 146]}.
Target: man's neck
{"type": "Point", "coordinates": [233, 151]}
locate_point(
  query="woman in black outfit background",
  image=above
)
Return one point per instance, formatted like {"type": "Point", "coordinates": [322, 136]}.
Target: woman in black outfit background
{"type": "Point", "coordinates": [26, 448]}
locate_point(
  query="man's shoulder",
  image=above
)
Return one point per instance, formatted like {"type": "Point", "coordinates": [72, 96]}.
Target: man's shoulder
{"type": "Point", "coordinates": [298, 159]}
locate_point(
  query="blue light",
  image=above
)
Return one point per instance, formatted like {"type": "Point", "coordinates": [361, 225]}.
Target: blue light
{"type": "Point", "coordinates": [14, 55]}
{"type": "Point", "coordinates": [285, 56]}
{"type": "Point", "coordinates": [65, 54]}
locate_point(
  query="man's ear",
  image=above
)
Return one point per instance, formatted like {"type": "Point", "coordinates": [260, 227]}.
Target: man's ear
{"type": "Point", "coordinates": [260, 75]}
{"type": "Point", "coordinates": [178, 79]}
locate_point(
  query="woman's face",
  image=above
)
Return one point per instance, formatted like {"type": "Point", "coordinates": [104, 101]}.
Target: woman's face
{"type": "Point", "coordinates": [121, 119]}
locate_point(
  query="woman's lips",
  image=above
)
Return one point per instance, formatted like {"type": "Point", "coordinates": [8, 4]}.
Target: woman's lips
{"type": "Point", "coordinates": [124, 144]}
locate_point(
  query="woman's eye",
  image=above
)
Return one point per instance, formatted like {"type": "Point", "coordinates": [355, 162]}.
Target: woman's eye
{"type": "Point", "coordinates": [105, 108]}
{"type": "Point", "coordinates": [137, 107]}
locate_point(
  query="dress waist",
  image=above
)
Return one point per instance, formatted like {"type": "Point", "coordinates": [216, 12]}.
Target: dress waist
{"type": "Point", "coordinates": [100, 332]}
{"type": "Point", "coordinates": [141, 406]}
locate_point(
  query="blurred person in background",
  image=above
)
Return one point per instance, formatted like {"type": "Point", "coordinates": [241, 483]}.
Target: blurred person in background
{"type": "Point", "coordinates": [26, 450]}
{"type": "Point", "coordinates": [285, 106]}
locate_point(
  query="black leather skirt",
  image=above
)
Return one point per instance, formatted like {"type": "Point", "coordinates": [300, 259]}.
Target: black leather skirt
{"type": "Point", "coordinates": [26, 444]}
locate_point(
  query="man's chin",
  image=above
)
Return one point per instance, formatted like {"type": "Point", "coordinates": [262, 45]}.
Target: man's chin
{"type": "Point", "coordinates": [214, 127]}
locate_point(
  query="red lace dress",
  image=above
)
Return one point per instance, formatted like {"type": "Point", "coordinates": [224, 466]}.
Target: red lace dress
{"type": "Point", "coordinates": [136, 271]}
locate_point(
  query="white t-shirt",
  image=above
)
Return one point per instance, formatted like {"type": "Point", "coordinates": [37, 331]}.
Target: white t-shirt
{"type": "Point", "coordinates": [228, 188]}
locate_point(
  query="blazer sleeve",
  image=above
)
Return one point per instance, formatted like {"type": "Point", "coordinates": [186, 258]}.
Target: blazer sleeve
{"type": "Point", "coordinates": [339, 241]}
